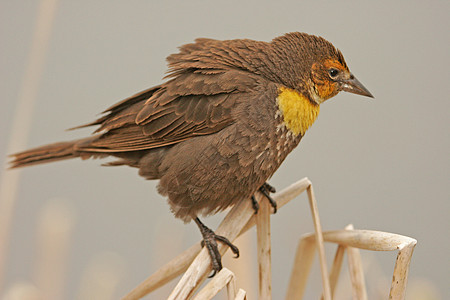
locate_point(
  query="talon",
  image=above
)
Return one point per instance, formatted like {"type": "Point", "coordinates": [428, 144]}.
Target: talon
{"type": "Point", "coordinates": [233, 248]}
{"type": "Point", "coordinates": [213, 274]}
{"type": "Point", "coordinates": [210, 242]}
{"type": "Point", "coordinates": [266, 189]}
{"type": "Point", "coordinates": [269, 187]}
{"type": "Point", "coordinates": [255, 205]}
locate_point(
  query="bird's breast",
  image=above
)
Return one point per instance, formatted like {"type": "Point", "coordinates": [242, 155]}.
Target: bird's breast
{"type": "Point", "coordinates": [297, 111]}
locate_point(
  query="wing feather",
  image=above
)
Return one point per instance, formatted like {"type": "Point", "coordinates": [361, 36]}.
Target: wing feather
{"type": "Point", "coordinates": [198, 99]}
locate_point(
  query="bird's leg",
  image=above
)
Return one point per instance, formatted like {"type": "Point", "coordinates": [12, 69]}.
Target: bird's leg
{"type": "Point", "coordinates": [210, 241]}
{"type": "Point", "coordinates": [265, 189]}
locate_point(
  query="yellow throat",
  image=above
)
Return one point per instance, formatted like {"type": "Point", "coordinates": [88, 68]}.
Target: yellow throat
{"type": "Point", "coordinates": [298, 112]}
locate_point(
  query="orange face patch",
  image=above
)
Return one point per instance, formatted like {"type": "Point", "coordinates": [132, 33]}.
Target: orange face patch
{"type": "Point", "coordinates": [326, 89]}
{"type": "Point", "coordinates": [323, 84]}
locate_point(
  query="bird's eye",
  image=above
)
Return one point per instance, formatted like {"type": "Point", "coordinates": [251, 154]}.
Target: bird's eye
{"type": "Point", "coordinates": [333, 72]}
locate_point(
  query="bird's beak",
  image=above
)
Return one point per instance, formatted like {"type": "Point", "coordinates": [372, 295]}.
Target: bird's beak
{"type": "Point", "coordinates": [352, 85]}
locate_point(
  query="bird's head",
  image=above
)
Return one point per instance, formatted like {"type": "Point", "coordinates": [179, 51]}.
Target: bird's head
{"type": "Point", "coordinates": [316, 67]}
{"type": "Point", "coordinates": [330, 76]}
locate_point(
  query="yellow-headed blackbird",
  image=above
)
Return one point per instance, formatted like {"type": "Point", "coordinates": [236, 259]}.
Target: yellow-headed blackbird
{"type": "Point", "coordinates": [220, 126]}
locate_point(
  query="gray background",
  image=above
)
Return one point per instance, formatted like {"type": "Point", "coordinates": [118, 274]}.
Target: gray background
{"type": "Point", "coordinates": [380, 164]}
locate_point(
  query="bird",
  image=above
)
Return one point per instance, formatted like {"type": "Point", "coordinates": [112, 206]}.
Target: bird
{"type": "Point", "coordinates": [215, 131]}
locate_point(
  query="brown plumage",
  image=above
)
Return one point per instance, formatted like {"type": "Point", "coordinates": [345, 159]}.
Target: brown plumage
{"type": "Point", "coordinates": [215, 131]}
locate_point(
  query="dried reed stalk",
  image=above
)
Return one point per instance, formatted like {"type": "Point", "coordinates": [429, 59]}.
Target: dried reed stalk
{"type": "Point", "coordinates": [230, 227]}
{"type": "Point", "coordinates": [165, 274]}
{"type": "Point", "coordinates": [264, 251]}
{"type": "Point", "coordinates": [245, 268]}
{"type": "Point", "coordinates": [180, 263]}
{"type": "Point", "coordinates": [362, 239]}
{"type": "Point", "coordinates": [241, 295]}
{"type": "Point", "coordinates": [367, 239]}
{"type": "Point", "coordinates": [320, 245]}
{"type": "Point", "coordinates": [336, 268]}
{"type": "Point", "coordinates": [401, 269]}
{"type": "Point", "coordinates": [304, 257]}
{"type": "Point", "coordinates": [356, 271]}
{"type": "Point", "coordinates": [224, 278]}
{"type": "Point", "coordinates": [22, 119]}
{"type": "Point", "coordinates": [282, 198]}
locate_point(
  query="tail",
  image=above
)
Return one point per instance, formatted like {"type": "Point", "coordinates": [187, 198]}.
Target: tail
{"type": "Point", "coordinates": [49, 153]}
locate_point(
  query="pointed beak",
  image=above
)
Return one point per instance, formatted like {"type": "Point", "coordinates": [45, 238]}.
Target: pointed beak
{"type": "Point", "coordinates": [352, 85]}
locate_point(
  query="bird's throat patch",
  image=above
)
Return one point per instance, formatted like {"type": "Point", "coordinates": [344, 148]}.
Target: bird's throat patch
{"type": "Point", "coordinates": [298, 112]}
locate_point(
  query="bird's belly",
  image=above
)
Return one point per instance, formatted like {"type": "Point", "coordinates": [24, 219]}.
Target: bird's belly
{"type": "Point", "coordinates": [207, 174]}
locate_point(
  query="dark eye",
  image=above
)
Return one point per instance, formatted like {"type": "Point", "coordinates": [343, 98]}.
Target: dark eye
{"type": "Point", "coordinates": [333, 72]}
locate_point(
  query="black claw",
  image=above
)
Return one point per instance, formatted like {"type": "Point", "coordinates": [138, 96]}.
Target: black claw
{"type": "Point", "coordinates": [233, 248]}
{"type": "Point", "coordinates": [216, 259]}
{"type": "Point", "coordinates": [255, 205]}
{"type": "Point", "coordinates": [213, 274]}
{"type": "Point", "coordinates": [269, 187]}
{"type": "Point", "coordinates": [266, 189]}
{"type": "Point", "coordinates": [210, 242]}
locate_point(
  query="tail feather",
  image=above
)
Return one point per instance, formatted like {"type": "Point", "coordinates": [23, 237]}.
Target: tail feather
{"type": "Point", "coordinates": [45, 154]}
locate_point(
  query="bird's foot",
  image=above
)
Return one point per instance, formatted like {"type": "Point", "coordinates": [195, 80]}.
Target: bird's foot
{"type": "Point", "coordinates": [265, 189]}
{"type": "Point", "coordinates": [210, 241]}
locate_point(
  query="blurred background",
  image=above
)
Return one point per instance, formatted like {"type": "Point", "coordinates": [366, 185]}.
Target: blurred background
{"type": "Point", "coordinates": [380, 164]}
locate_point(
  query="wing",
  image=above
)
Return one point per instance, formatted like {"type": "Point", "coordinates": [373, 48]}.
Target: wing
{"type": "Point", "coordinates": [207, 79]}
{"type": "Point", "coordinates": [194, 103]}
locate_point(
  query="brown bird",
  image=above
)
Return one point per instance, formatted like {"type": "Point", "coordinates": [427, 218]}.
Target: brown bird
{"type": "Point", "coordinates": [220, 126]}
